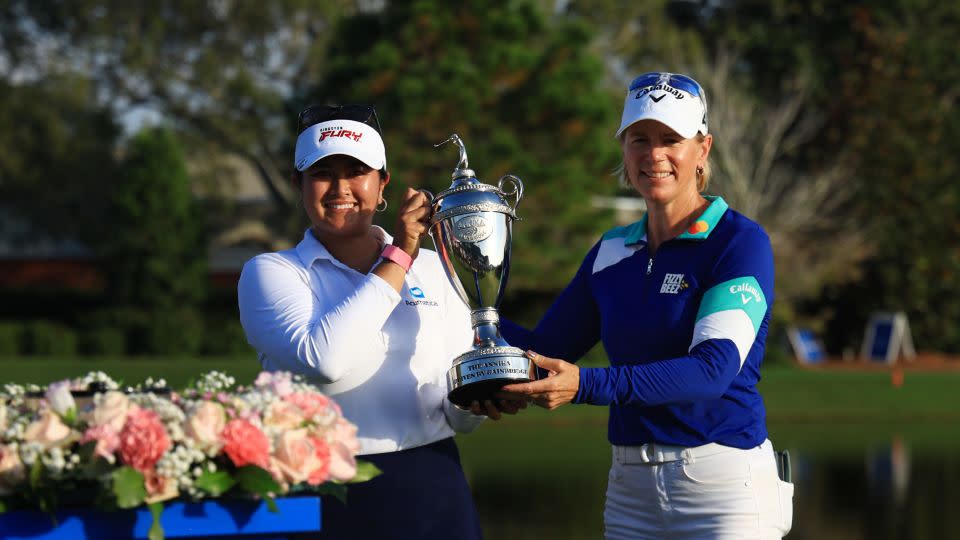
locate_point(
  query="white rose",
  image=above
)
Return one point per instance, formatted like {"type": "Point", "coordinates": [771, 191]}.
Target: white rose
{"type": "Point", "coordinates": [111, 409]}
{"type": "Point", "coordinates": [60, 399]}
{"type": "Point", "coordinates": [206, 425]}
{"type": "Point", "coordinates": [49, 431]}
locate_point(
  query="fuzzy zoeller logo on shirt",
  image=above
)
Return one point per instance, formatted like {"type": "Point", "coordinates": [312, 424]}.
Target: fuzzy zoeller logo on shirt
{"type": "Point", "coordinates": [672, 283]}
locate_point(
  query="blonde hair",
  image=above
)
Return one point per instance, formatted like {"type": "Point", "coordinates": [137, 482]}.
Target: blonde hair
{"type": "Point", "coordinates": [703, 176]}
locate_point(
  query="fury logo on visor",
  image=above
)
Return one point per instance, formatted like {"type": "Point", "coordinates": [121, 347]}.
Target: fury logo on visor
{"type": "Point", "coordinates": [341, 133]}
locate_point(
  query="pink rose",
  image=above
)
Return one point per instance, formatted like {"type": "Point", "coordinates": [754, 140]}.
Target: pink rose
{"type": "Point", "coordinates": [279, 382]}
{"type": "Point", "coordinates": [302, 458]}
{"type": "Point", "coordinates": [159, 488]}
{"type": "Point", "coordinates": [49, 431]}
{"type": "Point", "coordinates": [313, 404]}
{"type": "Point", "coordinates": [283, 415]}
{"type": "Point", "coordinates": [108, 441]}
{"type": "Point", "coordinates": [245, 444]}
{"type": "Point", "coordinates": [206, 425]}
{"type": "Point", "coordinates": [344, 446]}
{"type": "Point", "coordinates": [12, 471]}
{"type": "Point", "coordinates": [111, 409]}
{"type": "Point", "coordinates": [143, 440]}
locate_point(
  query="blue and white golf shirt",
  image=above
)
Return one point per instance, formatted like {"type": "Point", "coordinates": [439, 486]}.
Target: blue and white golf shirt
{"type": "Point", "coordinates": [684, 331]}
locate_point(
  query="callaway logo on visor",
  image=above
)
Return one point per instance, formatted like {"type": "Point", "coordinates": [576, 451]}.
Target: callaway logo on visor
{"type": "Point", "coordinates": [667, 82]}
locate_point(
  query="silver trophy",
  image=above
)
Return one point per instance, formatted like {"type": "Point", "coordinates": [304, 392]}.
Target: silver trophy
{"type": "Point", "coordinates": [471, 228]}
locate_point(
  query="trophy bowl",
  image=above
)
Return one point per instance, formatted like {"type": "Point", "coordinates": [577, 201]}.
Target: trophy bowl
{"type": "Point", "coordinates": [471, 227]}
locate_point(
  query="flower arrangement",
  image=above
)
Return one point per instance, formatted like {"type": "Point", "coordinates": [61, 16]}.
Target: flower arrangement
{"type": "Point", "coordinates": [84, 440]}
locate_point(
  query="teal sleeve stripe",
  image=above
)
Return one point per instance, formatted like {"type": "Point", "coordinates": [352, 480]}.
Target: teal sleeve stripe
{"type": "Point", "coordinates": [738, 293]}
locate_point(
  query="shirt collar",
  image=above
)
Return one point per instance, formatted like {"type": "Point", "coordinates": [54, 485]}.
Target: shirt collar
{"type": "Point", "coordinates": [700, 230]}
{"type": "Point", "coordinates": [310, 249]}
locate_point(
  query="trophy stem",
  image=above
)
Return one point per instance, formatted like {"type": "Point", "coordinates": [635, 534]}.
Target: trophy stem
{"type": "Point", "coordinates": [486, 328]}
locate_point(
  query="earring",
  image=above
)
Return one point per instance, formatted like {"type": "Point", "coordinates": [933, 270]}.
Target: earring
{"type": "Point", "coordinates": [700, 171]}
{"type": "Point", "coordinates": [379, 209]}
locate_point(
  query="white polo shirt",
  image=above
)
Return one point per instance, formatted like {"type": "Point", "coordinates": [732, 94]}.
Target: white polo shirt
{"type": "Point", "coordinates": [382, 356]}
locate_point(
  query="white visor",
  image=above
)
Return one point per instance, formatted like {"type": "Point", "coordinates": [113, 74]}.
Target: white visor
{"type": "Point", "coordinates": [662, 99]}
{"type": "Point", "coordinates": [344, 137]}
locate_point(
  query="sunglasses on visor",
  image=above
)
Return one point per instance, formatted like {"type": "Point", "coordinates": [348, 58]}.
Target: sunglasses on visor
{"type": "Point", "coordinates": [321, 113]}
{"type": "Point", "coordinates": [680, 82]}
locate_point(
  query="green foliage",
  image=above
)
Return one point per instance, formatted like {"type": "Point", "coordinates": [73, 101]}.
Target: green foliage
{"type": "Point", "coordinates": [173, 331]}
{"type": "Point", "coordinates": [47, 338]}
{"type": "Point", "coordinates": [215, 483]}
{"type": "Point", "coordinates": [225, 337]}
{"type": "Point", "coordinates": [156, 258]}
{"type": "Point", "coordinates": [103, 340]}
{"type": "Point", "coordinates": [56, 158]}
{"type": "Point", "coordinates": [257, 481]}
{"type": "Point", "coordinates": [11, 338]}
{"type": "Point", "coordinates": [128, 487]}
{"type": "Point", "coordinates": [523, 91]}
{"type": "Point", "coordinates": [366, 471]}
{"type": "Point", "coordinates": [899, 102]}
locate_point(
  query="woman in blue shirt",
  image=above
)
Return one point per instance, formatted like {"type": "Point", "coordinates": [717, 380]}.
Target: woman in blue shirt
{"type": "Point", "coordinates": [681, 301]}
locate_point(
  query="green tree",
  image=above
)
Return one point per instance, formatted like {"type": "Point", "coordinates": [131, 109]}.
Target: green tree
{"type": "Point", "coordinates": [217, 71]}
{"type": "Point", "coordinates": [523, 91]}
{"type": "Point", "coordinates": [884, 79]}
{"type": "Point", "coordinates": [56, 157]}
{"type": "Point", "coordinates": [904, 123]}
{"type": "Point", "coordinates": [155, 257]}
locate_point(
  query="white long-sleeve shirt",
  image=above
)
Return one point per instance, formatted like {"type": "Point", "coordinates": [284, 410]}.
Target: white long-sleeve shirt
{"type": "Point", "coordinates": [382, 356]}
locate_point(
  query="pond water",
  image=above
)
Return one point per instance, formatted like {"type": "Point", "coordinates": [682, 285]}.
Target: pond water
{"type": "Point", "coordinates": [546, 479]}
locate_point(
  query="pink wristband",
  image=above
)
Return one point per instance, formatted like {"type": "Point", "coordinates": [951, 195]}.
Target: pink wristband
{"type": "Point", "coordinates": [393, 253]}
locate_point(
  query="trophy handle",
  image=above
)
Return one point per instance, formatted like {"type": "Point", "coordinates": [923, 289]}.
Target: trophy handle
{"type": "Point", "coordinates": [517, 189]}
{"type": "Point", "coordinates": [430, 199]}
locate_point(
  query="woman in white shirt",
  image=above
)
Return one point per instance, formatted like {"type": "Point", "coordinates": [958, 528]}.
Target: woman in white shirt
{"type": "Point", "coordinates": [372, 319]}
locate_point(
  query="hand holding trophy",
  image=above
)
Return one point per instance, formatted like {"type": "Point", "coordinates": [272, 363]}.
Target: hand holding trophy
{"type": "Point", "coordinates": [471, 227]}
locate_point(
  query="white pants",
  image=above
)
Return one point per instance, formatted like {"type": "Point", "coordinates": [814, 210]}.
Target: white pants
{"type": "Point", "coordinates": [709, 491]}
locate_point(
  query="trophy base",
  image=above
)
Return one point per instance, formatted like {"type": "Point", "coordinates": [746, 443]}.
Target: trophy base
{"type": "Point", "coordinates": [478, 374]}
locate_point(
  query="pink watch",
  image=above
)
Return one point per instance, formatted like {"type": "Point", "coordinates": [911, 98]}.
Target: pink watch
{"type": "Point", "coordinates": [393, 253]}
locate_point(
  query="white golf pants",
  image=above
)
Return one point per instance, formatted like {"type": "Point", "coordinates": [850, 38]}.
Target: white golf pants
{"type": "Point", "coordinates": [710, 491]}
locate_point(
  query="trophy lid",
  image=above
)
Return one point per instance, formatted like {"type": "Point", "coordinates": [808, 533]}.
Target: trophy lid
{"type": "Point", "coordinates": [467, 193]}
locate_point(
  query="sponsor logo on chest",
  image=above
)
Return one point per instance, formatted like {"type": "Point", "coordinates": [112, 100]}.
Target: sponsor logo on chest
{"type": "Point", "coordinates": [420, 298]}
{"type": "Point", "coordinates": [672, 284]}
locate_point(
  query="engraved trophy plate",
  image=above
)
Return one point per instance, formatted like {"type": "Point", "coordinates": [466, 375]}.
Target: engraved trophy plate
{"type": "Point", "coordinates": [471, 227]}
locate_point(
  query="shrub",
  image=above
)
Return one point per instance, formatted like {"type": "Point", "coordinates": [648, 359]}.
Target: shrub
{"type": "Point", "coordinates": [11, 339]}
{"type": "Point", "coordinates": [225, 337]}
{"type": "Point", "coordinates": [51, 339]}
{"type": "Point", "coordinates": [104, 340]}
{"type": "Point", "coordinates": [173, 332]}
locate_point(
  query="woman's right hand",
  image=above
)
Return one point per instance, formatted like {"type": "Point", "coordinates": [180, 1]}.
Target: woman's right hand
{"type": "Point", "coordinates": [413, 221]}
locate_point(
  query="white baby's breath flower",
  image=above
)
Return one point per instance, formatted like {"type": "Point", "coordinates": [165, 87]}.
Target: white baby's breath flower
{"type": "Point", "coordinates": [97, 379]}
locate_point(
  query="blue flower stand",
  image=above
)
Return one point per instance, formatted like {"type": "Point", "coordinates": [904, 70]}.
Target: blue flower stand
{"type": "Point", "coordinates": [246, 520]}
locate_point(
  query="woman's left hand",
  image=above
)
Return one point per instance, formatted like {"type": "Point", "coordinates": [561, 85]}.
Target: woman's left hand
{"type": "Point", "coordinates": [558, 388]}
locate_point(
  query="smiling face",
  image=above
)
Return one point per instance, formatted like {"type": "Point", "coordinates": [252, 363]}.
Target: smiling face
{"type": "Point", "coordinates": [660, 164]}
{"type": "Point", "coordinates": [340, 195]}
